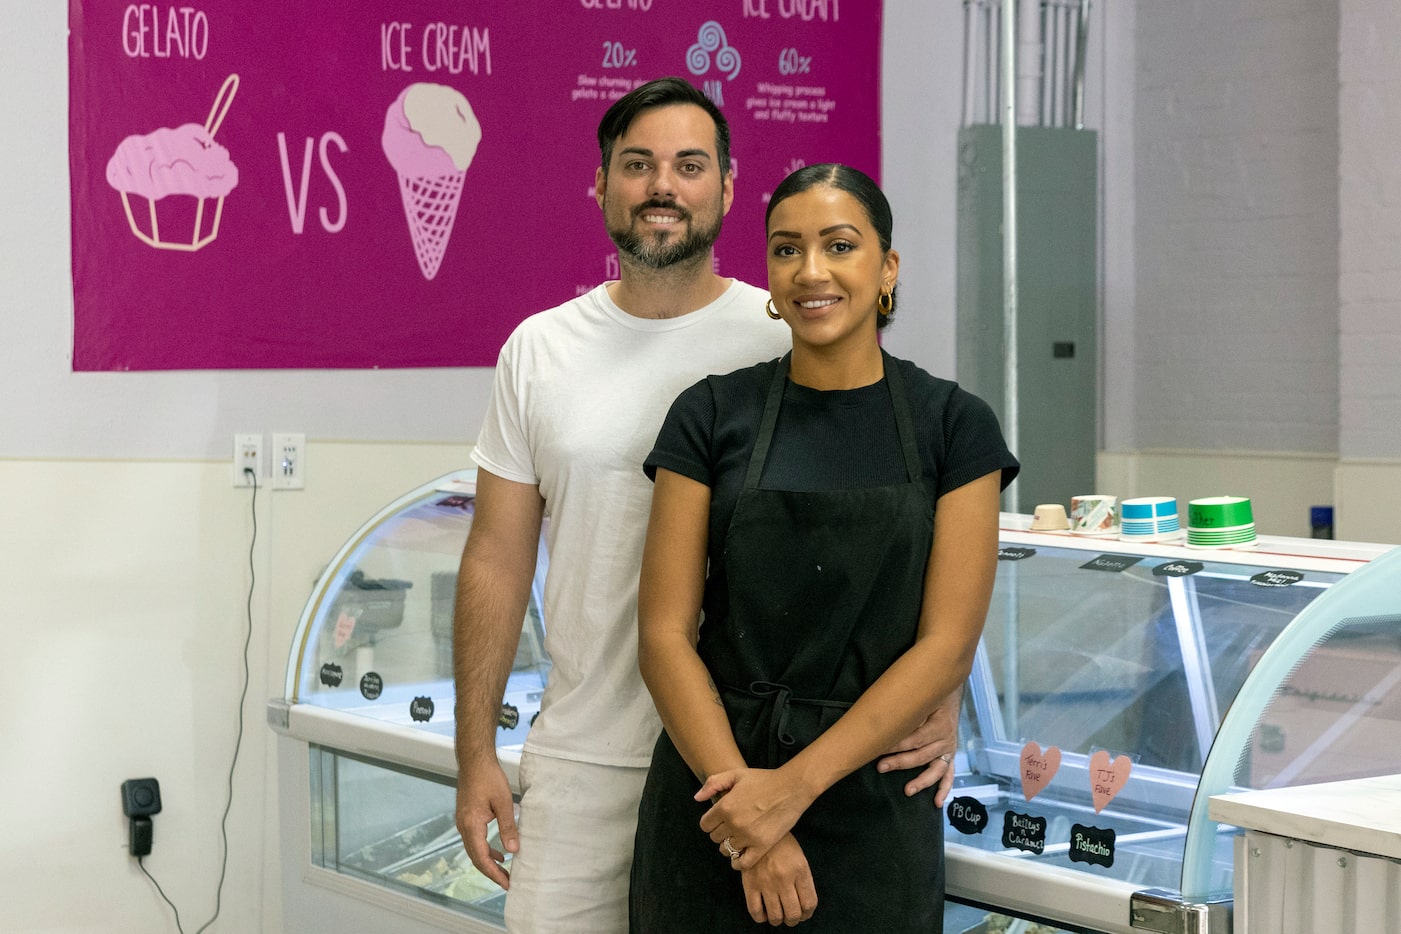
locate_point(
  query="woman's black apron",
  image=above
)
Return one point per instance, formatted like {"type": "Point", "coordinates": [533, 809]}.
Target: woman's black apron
{"type": "Point", "coordinates": [824, 594]}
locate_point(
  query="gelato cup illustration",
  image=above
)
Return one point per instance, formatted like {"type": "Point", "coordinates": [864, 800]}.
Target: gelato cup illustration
{"type": "Point", "coordinates": [184, 161]}
{"type": "Point", "coordinates": [430, 137]}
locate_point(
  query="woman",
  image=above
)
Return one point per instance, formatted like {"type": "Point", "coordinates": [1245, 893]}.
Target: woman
{"type": "Point", "coordinates": [834, 515]}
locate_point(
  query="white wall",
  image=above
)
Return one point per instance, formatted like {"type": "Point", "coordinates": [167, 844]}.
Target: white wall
{"type": "Point", "coordinates": [921, 68]}
{"type": "Point", "coordinates": [124, 624]}
{"type": "Point", "coordinates": [122, 627]}
{"type": "Point", "coordinates": [1368, 478]}
{"type": "Point", "coordinates": [1236, 208]}
{"type": "Point", "coordinates": [1370, 249]}
{"type": "Point", "coordinates": [1112, 45]}
{"type": "Point", "coordinates": [1267, 276]}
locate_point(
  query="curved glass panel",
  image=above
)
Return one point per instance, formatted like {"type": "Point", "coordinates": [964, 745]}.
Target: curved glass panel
{"type": "Point", "coordinates": [1322, 704]}
{"type": "Point", "coordinates": [375, 639]}
{"type": "Point", "coordinates": [1098, 690]}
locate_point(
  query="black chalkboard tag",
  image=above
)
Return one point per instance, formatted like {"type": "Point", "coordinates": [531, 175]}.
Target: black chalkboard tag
{"type": "Point", "coordinates": [967, 815]}
{"type": "Point", "coordinates": [1276, 578]}
{"type": "Point", "coordinates": [331, 675]}
{"type": "Point", "coordinates": [1024, 832]}
{"type": "Point", "coordinates": [1113, 563]}
{"type": "Point", "coordinates": [371, 685]}
{"type": "Point", "coordinates": [421, 709]}
{"type": "Point", "coordinates": [1014, 553]}
{"type": "Point", "coordinates": [1091, 845]}
{"type": "Point", "coordinates": [1178, 569]}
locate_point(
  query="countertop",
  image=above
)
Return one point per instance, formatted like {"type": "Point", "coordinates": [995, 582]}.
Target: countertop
{"type": "Point", "coordinates": [1363, 815]}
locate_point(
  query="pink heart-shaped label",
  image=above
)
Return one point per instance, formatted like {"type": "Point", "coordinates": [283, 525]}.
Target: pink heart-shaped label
{"type": "Point", "coordinates": [1107, 778]}
{"type": "Point", "coordinates": [1038, 768]}
{"type": "Point", "coordinates": [345, 625]}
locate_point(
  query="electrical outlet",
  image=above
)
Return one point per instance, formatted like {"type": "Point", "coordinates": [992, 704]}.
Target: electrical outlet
{"type": "Point", "coordinates": [288, 461]}
{"type": "Point", "coordinates": [247, 455]}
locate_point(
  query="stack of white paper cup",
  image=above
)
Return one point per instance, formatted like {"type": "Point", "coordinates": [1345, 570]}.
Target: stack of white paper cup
{"type": "Point", "coordinates": [1093, 514]}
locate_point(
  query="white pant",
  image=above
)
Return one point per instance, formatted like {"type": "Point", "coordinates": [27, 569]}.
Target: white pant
{"type": "Point", "coordinates": [577, 822]}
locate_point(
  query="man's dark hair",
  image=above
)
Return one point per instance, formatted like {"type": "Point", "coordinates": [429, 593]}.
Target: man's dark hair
{"type": "Point", "coordinates": [662, 92]}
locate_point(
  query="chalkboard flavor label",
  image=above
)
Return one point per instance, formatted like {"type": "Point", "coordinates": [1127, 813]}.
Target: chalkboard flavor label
{"type": "Point", "coordinates": [1178, 569]}
{"type": "Point", "coordinates": [1276, 578]}
{"type": "Point", "coordinates": [1024, 832]}
{"type": "Point", "coordinates": [331, 675]}
{"type": "Point", "coordinates": [421, 709]}
{"type": "Point", "coordinates": [1112, 563]}
{"type": "Point", "coordinates": [967, 815]}
{"type": "Point", "coordinates": [1091, 845]}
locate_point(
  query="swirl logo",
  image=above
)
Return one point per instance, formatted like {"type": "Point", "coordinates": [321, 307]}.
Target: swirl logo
{"type": "Point", "coordinates": [711, 40]}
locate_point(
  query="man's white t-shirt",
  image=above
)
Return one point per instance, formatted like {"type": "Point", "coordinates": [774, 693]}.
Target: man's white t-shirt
{"type": "Point", "coordinates": [580, 393]}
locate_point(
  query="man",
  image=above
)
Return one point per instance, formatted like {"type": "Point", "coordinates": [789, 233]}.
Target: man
{"type": "Point", "coordinates": [579, 395]}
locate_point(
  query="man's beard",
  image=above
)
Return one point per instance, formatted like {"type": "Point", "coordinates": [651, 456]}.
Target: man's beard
{"type": "Point", "coordinates": [658, 252]}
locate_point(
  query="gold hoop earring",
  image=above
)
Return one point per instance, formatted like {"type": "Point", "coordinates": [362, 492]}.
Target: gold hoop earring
{"type": "Point", "coordinates": [885, 303]}
{"type": "Point", "coordinates": [768, 310]}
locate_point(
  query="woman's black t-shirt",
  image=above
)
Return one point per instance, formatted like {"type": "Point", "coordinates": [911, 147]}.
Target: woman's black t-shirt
{"type": "Point", "coordinates": [823, 440]}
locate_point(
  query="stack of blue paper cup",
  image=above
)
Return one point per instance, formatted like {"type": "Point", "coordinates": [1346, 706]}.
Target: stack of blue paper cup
{"type": "Point", "coordinates": [1149, 519]}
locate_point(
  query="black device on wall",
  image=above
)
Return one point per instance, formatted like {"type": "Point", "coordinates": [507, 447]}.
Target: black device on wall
{"type": "Point", "coordinates": [141, 797]}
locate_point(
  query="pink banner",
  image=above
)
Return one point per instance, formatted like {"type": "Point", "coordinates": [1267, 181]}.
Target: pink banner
{"type": "Point", "coordinates": [397, 183]}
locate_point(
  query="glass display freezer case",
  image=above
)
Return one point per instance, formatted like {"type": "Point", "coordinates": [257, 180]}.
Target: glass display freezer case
{"type": "Point", "coordinates": [1117, 686]}
{"type": "Point", "coordinates": [366, 766]}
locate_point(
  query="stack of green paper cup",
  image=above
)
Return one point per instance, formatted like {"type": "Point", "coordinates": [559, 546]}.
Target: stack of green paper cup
{"type": "Point", "coordinates": [1220, 522]}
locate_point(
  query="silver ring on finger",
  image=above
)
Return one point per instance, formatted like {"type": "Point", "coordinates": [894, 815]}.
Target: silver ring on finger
{"type": "Point", "coordinates": [729, 849]}
{"type": "Point", "coordinates": [948, 759]}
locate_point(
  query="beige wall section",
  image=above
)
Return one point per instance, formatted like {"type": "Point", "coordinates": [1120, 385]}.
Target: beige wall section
{"type": "Point", "coordinates": [1365, 494]}
{"type": "Point", "coordinates": [124, 620]}
{"type": "Point", "coordinates": [1369, 499]}
{"type": "Point", "coordinates": [1281, 487]}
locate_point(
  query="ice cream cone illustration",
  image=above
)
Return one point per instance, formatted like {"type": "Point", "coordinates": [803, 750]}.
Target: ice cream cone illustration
{"type": "Point", "coordinates": [180, 161]}
{"type": "Point", "coordinates": [430, 205]}
{"type": "Point", "coordinates": [430, 137]}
